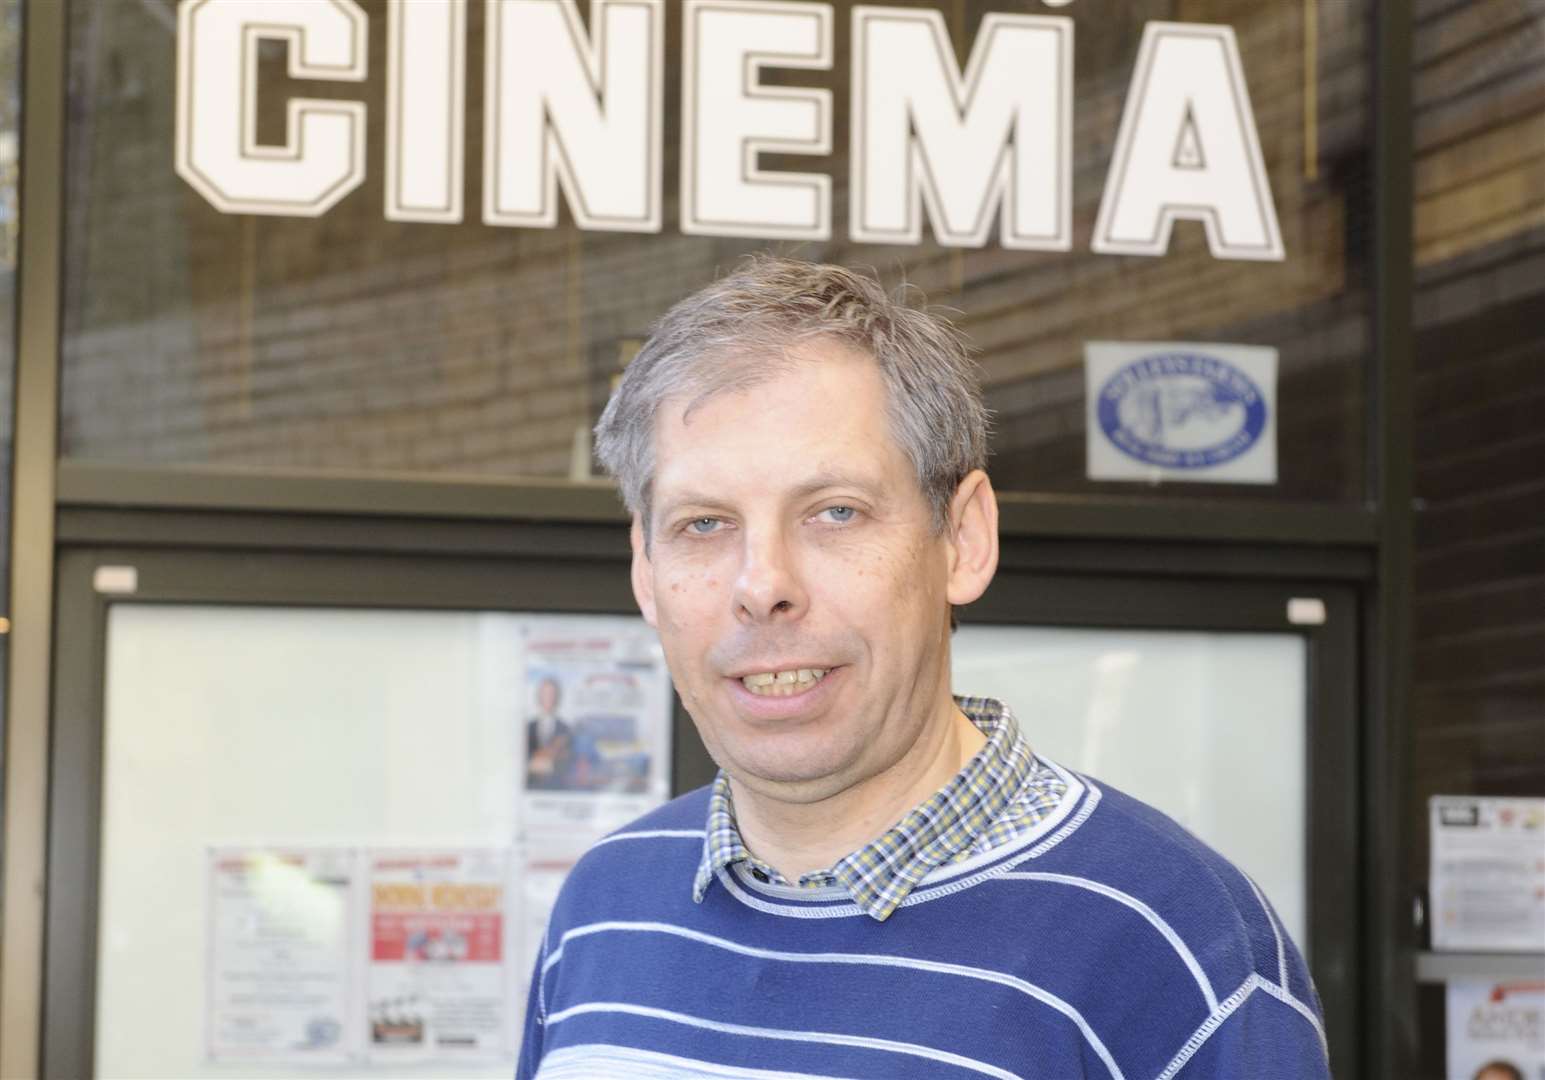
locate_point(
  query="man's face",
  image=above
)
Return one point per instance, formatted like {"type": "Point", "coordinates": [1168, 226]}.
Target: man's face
{"type": "Point", "coordinates": [1497, 1072]}
{"type": "Point", "coordinates": [789, 537]}
{"type": "Point", "coordinates": [547, 695]}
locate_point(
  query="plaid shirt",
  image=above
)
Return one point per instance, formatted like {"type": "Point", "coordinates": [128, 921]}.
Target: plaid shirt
{"type": "Point", "coordinates": [1001, 793]}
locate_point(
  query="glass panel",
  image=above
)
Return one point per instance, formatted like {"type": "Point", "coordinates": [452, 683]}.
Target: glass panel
{"type": "Point", "coordinates": [1208, 727]}
{"type": "Point", "coordinates": [361, 819]}
{"type": "Point", "coordinates": [349, 341]}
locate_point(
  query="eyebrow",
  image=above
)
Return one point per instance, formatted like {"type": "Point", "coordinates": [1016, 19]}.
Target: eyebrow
{"type": "Point", "coordinates": [834, 478]}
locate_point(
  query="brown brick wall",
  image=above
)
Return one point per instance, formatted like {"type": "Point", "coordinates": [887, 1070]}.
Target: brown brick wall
{"type": "Point", "coordinates": [352, 342]}
{"type": "Point", "coordinates": [1478, 708]}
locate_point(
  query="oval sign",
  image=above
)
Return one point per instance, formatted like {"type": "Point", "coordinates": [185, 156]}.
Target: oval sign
{"type": "Point", "coordinates": [1181, 410]}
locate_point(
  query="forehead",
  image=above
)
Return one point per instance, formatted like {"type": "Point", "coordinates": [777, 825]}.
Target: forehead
{"type": "Point", "coordinates": [823, 410]}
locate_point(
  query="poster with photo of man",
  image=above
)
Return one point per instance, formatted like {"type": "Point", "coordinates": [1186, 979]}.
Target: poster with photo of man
{"type": "Point", "coordinates": [593, 716]}
{"type": "Point", "coordinates": [593, 723]}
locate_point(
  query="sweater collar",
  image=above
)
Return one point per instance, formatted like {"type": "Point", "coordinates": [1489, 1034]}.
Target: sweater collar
{"type": "Point", "coordinates": [880, 875]}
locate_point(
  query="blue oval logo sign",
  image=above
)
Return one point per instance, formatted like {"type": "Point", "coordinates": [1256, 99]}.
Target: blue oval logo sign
{"type": "Point", "coordinates": [1181, 410]}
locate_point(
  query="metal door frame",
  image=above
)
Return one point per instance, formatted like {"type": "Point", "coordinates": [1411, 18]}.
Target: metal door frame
{"type": "Point", "coordinates": [320, 560]}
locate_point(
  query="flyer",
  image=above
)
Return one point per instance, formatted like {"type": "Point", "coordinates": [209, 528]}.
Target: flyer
{"type": "Point", "coordinates": [594, 720]}
{"type": "Point", "coordinates": [542, 871]}
{"type": "Point", "coordinates": [437, 982]}
{"type": "Point", "coordinates": [585, 709]}
{"type": "Point", "coordinates": [1496, 1031]}
{"type": "Point", "coordinates": [1488, 873]}
{"type": "Point", "coordinates": [279, 976]}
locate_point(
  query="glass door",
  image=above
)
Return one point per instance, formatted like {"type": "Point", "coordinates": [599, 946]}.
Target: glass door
{"type": "Point", "coordinates": [308, 808]}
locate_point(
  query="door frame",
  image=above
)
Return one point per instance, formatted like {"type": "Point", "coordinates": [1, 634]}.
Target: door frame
{"type": "Point", "coordinates": [231, 557]}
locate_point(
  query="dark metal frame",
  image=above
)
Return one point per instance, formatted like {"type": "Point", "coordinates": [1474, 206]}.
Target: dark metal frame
{"type": "Point", "coordinates": [1390, 953]}
{"type": "Point", "coordinates": [386, 524]}
{"type": "Point", "coordinates": [87, 483]}
{"type": "Point", "coordinates": [463, 566]}
{"type": "Point", "coordinates": [26, 717]}
{"type": "Point", "coordinates": [589, 578]}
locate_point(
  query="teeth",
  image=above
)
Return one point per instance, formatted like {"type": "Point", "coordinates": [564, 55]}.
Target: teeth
{"type": "Point", "coordinates": [783, 683]}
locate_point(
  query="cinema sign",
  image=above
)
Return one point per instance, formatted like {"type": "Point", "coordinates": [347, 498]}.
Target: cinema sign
{"type": "Point", "coordinates": [581, 110]}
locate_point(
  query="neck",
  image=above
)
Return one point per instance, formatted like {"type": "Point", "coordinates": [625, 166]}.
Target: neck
{"type": "Point", "coordinates": [797, 838]}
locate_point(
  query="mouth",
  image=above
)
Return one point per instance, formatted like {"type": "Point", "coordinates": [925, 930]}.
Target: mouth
{"type": "Point", "coordinates": [783, 683]}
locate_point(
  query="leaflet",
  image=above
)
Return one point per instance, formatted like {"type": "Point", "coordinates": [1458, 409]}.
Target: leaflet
{"type": "Point", "coordinates": [1495, 1030]}
{"type": "Point", "coordinates": [1488, 874]}
{"type": "Point", "coordinates": [595, 725]}
{"type": "Point", "coordinates": [543, 870]}
{"type": "Point", "coordinates": [437, 985]}
{"type": "Point", "coordinates": [280, 986]}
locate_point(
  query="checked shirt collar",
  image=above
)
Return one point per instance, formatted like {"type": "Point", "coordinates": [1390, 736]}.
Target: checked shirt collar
{"type": "Point", "coordinates": [943, 828]}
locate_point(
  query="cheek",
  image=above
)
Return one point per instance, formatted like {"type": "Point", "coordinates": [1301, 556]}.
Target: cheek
{"type": "Point", "coordinates": [894, 573]}
{"type": "Point", "coordinates": [895, 596]}
{"type": "Point", "coordinates": [683, 597]}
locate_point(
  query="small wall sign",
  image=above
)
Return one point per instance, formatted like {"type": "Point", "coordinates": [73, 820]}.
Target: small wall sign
{"type": "Point", "coordinates": [1170, 410]}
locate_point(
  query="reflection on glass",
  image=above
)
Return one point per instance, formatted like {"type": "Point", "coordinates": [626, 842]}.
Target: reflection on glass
{"type": "Point", "coordinates": [348, 340]}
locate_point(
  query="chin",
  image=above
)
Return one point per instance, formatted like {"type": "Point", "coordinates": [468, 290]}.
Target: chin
{"type": "Point", "coordinates": [795, 788]}
{"type": "Point", "coordinates": [815, 774]}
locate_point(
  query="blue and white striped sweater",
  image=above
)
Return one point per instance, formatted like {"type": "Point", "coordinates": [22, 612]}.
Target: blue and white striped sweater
{"type": "Point", "coordinates": [1106, 943]}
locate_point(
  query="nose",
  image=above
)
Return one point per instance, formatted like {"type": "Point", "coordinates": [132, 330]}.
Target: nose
{"type": "Point", "coordinates": [768, 585]}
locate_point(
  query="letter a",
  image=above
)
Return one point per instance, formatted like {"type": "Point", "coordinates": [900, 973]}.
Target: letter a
{"type": "Point", "coordinates": [1188, 149]}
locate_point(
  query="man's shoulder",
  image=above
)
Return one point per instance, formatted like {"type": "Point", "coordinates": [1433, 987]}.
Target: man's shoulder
{"type": "Point", "coordinates": [1139, 885]}
{"type": "Point", "coordinates": [685, 811]}
{"type": "Point", "coordinates": [1128, 842]}
{"type": "Point", "coordinates": [667, 837]}
{"type": "Point", "coordinates": [1134, 852]}
{"type": "Point", "coordinates": [1151, 835]}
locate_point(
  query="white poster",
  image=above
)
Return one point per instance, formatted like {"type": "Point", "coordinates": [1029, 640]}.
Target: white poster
{"type": "Point", "coordinates": [438, 985]}
{"type": "Point", "coordinates": [279, 956]}
{"type": "Point", "coordinates": [594, 722]}
{"type": "Point", "coordinates": [542, 869]}
{"type": "Point", "coordinates": [1172, 410]}
{"type": "Point", "coordinates": [1496, 1031]}
{"type": "Point", "coordinates": [586, 701]}
{"type": "Point", "coordinates": [1488, 873]}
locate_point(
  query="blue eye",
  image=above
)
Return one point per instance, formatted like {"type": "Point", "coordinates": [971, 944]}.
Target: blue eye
{"type": "Point", "coordinates": [840, 514]}
{"type": "Point", "coordinates": [704, 525]}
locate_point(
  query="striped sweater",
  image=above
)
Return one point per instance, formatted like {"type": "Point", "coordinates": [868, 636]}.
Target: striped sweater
{"type": "Point", "coordinates": [1106, 942]}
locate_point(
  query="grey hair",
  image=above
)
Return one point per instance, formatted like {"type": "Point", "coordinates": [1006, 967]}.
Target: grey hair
{"type": "Point", "coordinates": [740, 331]}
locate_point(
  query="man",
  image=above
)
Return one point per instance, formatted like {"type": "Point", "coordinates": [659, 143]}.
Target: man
{"type": "Point", "coordinates": [1499, 1070]}
{"type": "Point", "coordinates": [883, 881]}
{"type": "Point", "coordinates": [549, 740]}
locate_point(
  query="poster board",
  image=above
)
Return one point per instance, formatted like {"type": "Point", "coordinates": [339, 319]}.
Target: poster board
{"type": "Point", "coordinates": [334, 751]}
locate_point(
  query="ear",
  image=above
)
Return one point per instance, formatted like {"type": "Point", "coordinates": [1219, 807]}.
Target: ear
{"type": "Point", "coordinates": [643, 571]}
{"type": "Point", "coordinates": [972, 539]}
